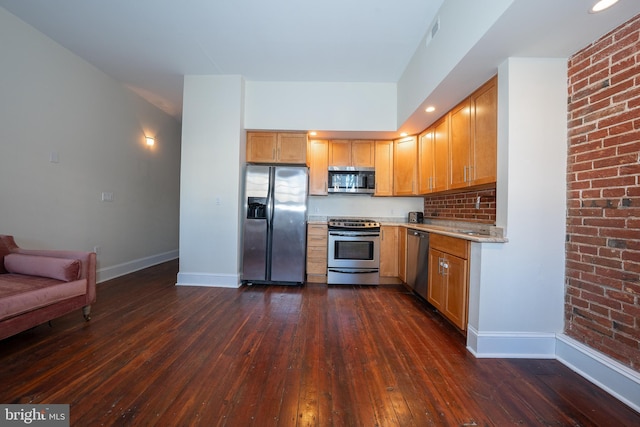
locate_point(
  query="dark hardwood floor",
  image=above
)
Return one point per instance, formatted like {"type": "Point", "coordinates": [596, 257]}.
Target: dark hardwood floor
{"type": "Point", "coordinates": [157, 354]}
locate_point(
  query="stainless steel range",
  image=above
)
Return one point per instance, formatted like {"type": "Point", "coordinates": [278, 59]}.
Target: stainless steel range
{"type": "Point", "coordinates": [353, 252]}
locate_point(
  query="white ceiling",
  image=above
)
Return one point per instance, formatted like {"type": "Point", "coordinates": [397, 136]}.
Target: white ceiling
{"type": "Point", "coordinates": [149, 45]}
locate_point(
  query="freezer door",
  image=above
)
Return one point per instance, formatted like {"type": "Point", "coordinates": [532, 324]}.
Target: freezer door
{"type": "Point", "coordinates": [289, 237]}
{"type": "Point", "coordinates": [255, 224]}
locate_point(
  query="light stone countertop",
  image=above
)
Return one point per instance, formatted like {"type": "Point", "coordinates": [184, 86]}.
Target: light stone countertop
{"type": "Point", "coordinates": [475, 232]}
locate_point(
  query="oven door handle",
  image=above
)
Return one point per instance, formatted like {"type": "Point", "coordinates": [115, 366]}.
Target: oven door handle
{"type": "Point", "coordinates": [354, 234]}
{"type": "Point", "coordinates": [336, 270]}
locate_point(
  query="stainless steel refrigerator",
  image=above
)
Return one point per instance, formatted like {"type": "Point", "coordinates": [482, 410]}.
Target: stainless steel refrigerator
{"type": "Point", "coordinates": [275, 224]}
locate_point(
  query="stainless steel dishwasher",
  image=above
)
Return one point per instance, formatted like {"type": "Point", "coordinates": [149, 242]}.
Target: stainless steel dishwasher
{"type": "Point", "coordinates": [418, 261]}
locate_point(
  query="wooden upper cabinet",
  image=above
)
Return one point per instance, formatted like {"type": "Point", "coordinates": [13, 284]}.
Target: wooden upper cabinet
{"type": "Point", "coordinates": [357, 153]}
{"type": "Point", "coordinates": [277, 147]}
{"type": "Point", "coordinates": [405, 162]}
{"type": "Point", "coordinates": [362, 153]}
{"type": "Point", "coordinates": [441, 154]}
{"type": "Point", "coordinates": [425, 161]}
{"type": "Point", "coordinates": [340, 152]}
{"type": "Point", "coordinates": [460, 145]}
{"type": "Point", "coordinates": [473, 139]}
{"type": "Point", "coordinates": [261, 147]}
{"type": "Point", "coordinates": [384, 168]}
{"type": "Point", "coordinates": [318, 167]}
{"type": "Point", "coordinates": [484, 133]}
{"type": "Point", "coordinates": [292, 148]}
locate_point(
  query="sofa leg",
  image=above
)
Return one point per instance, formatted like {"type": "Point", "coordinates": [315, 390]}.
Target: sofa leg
{"type": "Point", "coordinates": [86, 312]}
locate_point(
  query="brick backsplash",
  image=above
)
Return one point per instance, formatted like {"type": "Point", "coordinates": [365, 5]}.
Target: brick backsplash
{"type": "Point", "coordinates": [462, 206]}
{"type": "Point", "coordinates": [602, 302]}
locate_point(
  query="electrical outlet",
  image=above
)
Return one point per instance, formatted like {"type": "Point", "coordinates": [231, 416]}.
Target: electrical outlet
{"type": "Point", "coordinates": [96, 249]}
{"type": "Point", "coordinates": [107, 196]}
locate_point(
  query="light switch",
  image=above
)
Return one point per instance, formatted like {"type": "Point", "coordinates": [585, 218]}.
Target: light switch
{"type": "Point", "coordinates": [107, 196]}
{"type": "Point", "coordinates": [54, 157]}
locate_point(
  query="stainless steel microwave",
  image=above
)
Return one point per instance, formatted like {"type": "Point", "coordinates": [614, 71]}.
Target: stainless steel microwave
{"type": "Point", "coordinates": [347, 179]}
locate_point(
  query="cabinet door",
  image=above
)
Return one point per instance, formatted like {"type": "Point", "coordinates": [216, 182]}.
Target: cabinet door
{"type": "Point", "coordinates": [389, 251]}
{"type": "Point", "coordinates": [441, 155]}
{"type": "Point", "coordinates": [405, 160]}
{"type": "Point", "coordinates": [460, 145]}
{"type": "Point", "coordinates": [384, 168]}
{"type": "Point", "coordinates": [340, 152]}
{"type": "Point", "coordinates": [402, 254]}
{"type": "Point", "coordinates": [436, 289]}
{"type": "Point", "coordinates": [484, 133]}
{"type": "Point", "coordinates": [425, 161]}
{"type": "Point", "coordinates": [292, 148]}
{"type": "Point", "coordinates": [455, 308]}
{"type": "Point", "coordinates": [318, 167]}
{"type": "Point", "coordinates": [261, 147]}
{"type": "Point", "coordinates": [362, 153]}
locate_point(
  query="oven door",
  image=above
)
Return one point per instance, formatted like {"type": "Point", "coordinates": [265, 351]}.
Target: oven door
{"type": "Point", "coordinates": [354, 249]}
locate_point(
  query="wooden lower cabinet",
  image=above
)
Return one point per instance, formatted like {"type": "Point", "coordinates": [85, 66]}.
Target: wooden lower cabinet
{"type": "Point", "coordinates": [389, 251]}
{"type": "Point", "coordinates": [317, 253]}
{"type": "Point", "coordinates": [449, 278]}
{"type": "Point", "coordinates": [402, 254]}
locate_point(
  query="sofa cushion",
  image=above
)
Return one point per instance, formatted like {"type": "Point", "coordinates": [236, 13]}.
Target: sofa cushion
{"type": "Point", "coordinates": [6, 245]}
{"type": "Point", "coordinates": [43, 266]}
{"type": "Point", "coordinates": [20, 294]}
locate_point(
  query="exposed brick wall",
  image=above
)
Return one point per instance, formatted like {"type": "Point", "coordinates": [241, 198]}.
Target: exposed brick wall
{"type": "Point", "coordinates": [602, 304]}
{"type": "Point", "coordinates": [462, 206]}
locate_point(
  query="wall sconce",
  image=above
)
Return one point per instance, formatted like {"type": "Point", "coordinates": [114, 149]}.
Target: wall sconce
{"type": "Point", "coordinates": [150, 141]}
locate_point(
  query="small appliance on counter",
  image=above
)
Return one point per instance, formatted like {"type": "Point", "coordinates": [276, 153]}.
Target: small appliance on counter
{"type": "Point", "coordinates": [416, 217]}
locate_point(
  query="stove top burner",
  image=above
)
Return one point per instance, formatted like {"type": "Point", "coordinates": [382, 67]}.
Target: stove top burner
{"type": "Point", "coordinates": [353, 223]}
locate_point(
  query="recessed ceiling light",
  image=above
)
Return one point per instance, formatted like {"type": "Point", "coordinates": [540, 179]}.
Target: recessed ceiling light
{"type": "Point", "coordinates": [404, 134]}
{"type": "Point", "coordinates": [602, 5]}
{"type": "Point", "coordinates": [430, 109]}
{"type": "Point", "coordinates": [313, 133]}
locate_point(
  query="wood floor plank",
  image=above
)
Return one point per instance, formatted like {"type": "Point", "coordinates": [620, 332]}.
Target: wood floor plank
{"type": "Point", "coordinates": [315, 355]}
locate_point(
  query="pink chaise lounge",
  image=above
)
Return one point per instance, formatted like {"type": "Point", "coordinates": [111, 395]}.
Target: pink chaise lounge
{"type": "Point", "coordinates": [37, 286]}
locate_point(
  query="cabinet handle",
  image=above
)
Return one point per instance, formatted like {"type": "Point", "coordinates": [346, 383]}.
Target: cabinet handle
{"type": "Point", "coordinates": [430, 183]}
{"type": "Point", "coordinates": [464, 174]}
{"type": "Point", "coordinates": [469, 175]}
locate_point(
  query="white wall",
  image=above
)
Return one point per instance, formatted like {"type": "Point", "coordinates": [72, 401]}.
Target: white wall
{"type": "Point", "coordinates": [522, 284]}
{"type": "Point", "coordinates": [321, 106]}
{"type": "Point", "coordinates": [213, 154]}
{"type": "Point", "coordinates": [462, 24]}
{"type": "Point", "coordinates": [53, 101]}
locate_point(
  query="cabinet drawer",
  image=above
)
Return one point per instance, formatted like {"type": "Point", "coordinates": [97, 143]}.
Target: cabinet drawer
{"type": "Point", "coordinates": [316, 267]}
{"type": "Point", "coordinates": [317, 253]}
{"type": "Point", "coordinates": [450, 245]}
{"type": "Point", "coordinates": [313, 240]}
{"type": "Point", "coordinates": [317, 229]}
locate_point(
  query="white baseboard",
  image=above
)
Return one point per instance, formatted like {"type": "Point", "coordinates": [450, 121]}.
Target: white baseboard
{"type": "Point", "coordinates": [112, 272]}
{"type": "Point", "coordinates": [511, 345]}
{"type": "Point", "coordinates": [605, 372]}
{"type": "Point", "coordinates": [210, 280]}
{"type": "Point", "coordinates": [610, 375]}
